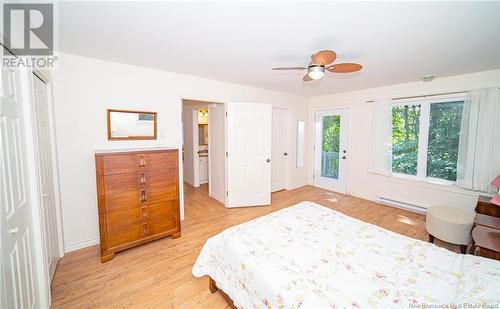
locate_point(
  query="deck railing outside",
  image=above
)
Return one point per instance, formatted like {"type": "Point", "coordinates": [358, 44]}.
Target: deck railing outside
{"type": "Point", "coordinates": [330, 164]}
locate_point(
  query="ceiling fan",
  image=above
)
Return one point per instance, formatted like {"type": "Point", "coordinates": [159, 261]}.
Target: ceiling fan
{"type": "Point", "coordinates": [321, 61]}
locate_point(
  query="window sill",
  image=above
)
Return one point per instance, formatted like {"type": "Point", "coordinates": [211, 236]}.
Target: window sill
{"type": "Point", "coordinates": [429, 183]}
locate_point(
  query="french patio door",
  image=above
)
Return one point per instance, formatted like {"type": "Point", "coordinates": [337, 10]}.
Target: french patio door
{"type": "Point", "coordinates": [330, 149]}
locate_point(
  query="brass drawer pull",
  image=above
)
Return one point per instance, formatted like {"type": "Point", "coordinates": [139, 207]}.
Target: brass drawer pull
{"type": "Point", "coordinates": [142, 178]}
{"type": "Point", "coordinates": [142, 160]}
{"type": "Point", "coordinates": [143, 196]}
{"type": "Point", "coordinates": [144, 228]}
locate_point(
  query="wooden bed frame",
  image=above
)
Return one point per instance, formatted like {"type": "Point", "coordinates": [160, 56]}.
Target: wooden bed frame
{"type": "Point", "coordinates": [213, 288]}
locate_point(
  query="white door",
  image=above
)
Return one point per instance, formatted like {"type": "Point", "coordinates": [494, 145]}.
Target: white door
{"type": "Point", "coordinates": [279, 150]}
{"type": "Point", "coordinates": [330, 149]}
{"type": "Point", "coordinates": [18, 272]}
{"type": "Point", "coordinates": [249, 154]}
{"type": "Point", "coordinates": [42, 128]}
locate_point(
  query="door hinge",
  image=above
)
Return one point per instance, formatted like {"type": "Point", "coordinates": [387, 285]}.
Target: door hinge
{"type": "Point", "coordinates": [226, 154]}
{"type": "Point", "coordinates": [226, 114]}
{"type": "Point", "coordinates": [227, 193]}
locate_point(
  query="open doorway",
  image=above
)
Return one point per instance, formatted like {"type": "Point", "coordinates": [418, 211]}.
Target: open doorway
{"type": "Point", "coordinates": [204, 160]}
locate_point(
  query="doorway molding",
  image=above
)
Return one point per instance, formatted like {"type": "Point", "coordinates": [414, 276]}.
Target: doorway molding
{"type": "Point", "coordinates": [182, 99]}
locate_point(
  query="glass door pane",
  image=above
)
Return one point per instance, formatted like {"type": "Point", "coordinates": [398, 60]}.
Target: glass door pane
{"type": "Point", "coordinates": [330, 147]}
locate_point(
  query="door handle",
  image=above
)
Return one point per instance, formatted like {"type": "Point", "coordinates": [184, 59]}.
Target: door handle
{"type": "Point", "coordinates": [268, 160]}
{"type": "Point", "coordinates": [343, 157]}
{"type": "Point", "coordinates": [13, 230]}
{"type": "Point", "coordinates": [285, 154]}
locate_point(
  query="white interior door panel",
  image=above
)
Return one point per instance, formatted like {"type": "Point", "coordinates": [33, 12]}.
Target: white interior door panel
{"type": "Point", "coordinates": [249, 154]}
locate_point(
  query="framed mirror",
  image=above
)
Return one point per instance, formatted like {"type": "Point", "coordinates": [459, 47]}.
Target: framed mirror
{"type": "Point", "coordinates": [131, 125]}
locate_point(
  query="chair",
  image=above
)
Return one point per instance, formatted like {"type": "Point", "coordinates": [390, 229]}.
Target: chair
{"type": "Point", "coordinates": [449, 224]}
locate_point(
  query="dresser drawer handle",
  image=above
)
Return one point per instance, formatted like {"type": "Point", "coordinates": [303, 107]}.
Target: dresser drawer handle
{"type": "Point", "coordinates": [144, 212]}
{"type": "Point", "coordinates": [144, 229]}
{"type": "Point", "coordinates": [142, 178]}
{"type": "Point", "coordinates": [143, 196]}
{"type": "Point", "coordinates": [142, 160]}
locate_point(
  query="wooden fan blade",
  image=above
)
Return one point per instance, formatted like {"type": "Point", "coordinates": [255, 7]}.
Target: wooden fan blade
{"type": "Point", "coordinates": [306, 78]}
{"type": "Point", "coordinates": [345, 67]}
{"type": "Point", "coordinates": [288, 68]}
{"type": "Point", "coordinates": [324, 57]}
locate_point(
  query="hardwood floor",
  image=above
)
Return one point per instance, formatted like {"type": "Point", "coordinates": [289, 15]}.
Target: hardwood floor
{"type": "Point", "coordinates": [158, 274]}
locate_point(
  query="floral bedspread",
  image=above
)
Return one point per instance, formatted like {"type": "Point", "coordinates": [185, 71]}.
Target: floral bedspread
{"type": "Point", "coordinates": [309, 256]}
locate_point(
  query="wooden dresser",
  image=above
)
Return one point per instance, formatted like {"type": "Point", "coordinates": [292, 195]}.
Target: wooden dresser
{"type": "Point", "coordinates": [138, 197]}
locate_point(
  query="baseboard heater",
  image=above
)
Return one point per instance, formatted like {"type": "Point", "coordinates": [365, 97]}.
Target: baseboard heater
{"type": "Point", "coordinates": [401, 205]}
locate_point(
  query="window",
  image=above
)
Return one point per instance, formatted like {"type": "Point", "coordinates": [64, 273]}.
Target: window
{"type": "Point", "coordinates": [405, 132]}
{"type": "Point", "coordinates": [425, 138]}
{"type": "Point", "coordinates": [330, 147]}
{"type": "Point", "coordinates": [444, 134]}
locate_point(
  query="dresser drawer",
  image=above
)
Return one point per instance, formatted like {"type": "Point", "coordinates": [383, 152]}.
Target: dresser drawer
{"type": "Point", "coordinates": [134, 162]}
{"type": "Point", "coordinates": [124, 219]}
{"type": "Point", "coordinates": [168, 225]}
{"type": "Point", "coordinates": [130, 225]}
{"type": "Point", "coordinates": [161, 192]}
{"type": "Point", "coordinates": [122, 191]}
{"type": "Point", "coordinates": [162, 211]}
{"type": "Point", "coordinates": [126, 236]}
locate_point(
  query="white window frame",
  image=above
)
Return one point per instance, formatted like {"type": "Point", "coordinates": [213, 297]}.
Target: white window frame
{"type": "Point", "coordinates": [423, 134]}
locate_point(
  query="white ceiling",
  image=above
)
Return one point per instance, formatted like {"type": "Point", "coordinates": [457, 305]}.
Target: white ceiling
{"type": "Point", "coordinates": [240, 42]}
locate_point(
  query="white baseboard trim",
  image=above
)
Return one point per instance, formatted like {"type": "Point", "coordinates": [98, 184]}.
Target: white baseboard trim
{"type": "Point", "coordinates": [81, 244]}
{"type": "Point", "coordinates": [296, 186]}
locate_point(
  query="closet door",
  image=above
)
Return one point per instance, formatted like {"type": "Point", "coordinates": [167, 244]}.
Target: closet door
{"type": "Point", "coordinates": [43, 139]}
{"type": "Point", "coordinates": [279, 150]}
{"type": "Point", "coordinates": [17, 233]}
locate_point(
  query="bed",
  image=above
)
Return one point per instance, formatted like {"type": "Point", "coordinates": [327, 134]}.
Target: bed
{"type": "Point", "coordinates": [309, 256]}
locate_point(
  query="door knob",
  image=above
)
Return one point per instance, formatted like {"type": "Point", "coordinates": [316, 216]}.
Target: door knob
{"type": "Point", "coordinates": [343, 157]}
{"type": "Point", "coordinates": [13, 230]}
{"type": "Point", "coordinates": [268, 160]}
{"type": "Point", "coordinates": [285, 154]}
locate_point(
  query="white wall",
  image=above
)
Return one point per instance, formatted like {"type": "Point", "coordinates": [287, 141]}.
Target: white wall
{"type": "Point", "coordinates": [190, 144]}
{"type": "Point", "coordinates": [84, 88]}
{"type": "Point", "coordinates": [366, 185]}
{"type": "Point", "coordinates": [216, 155]}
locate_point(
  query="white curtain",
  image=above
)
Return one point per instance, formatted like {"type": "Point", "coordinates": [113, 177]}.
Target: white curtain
{"type": "Point", "coordinates": [381, 135]}
{"type": "Point", "coordinates": [479, 147]}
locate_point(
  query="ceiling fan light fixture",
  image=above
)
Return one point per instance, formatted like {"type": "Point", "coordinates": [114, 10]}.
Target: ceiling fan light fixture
{"type": "Point", "coordinates": [316, 71]}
